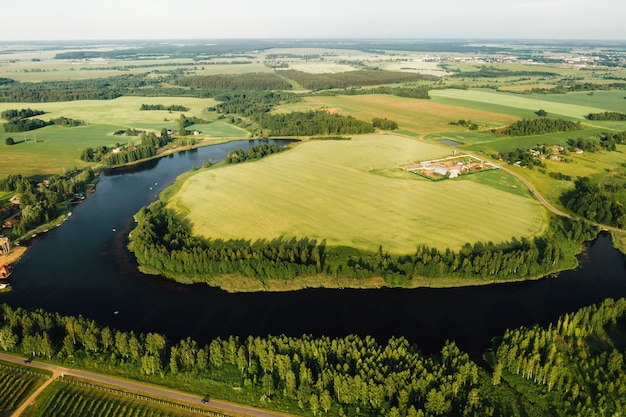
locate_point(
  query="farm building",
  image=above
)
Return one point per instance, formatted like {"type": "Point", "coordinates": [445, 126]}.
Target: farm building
{"type": "Point", "coordinates": [5, 245]}
{"type": "Point", "coordinates": [5, 271]}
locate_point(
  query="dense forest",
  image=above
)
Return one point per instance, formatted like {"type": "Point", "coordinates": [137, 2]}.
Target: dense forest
{"type": "Point", "coordinates": [348, 79]}
{"type": "Point", "coordinates": [601, 201]}
{"type": "Point", "coordinates": [573, 367]}
{"type": "Point", "coordinates": [313, 123]}
{"type": "Point", "coordinates": [539, 126]}
{"type": "Point", "coordinates": [248, 81]}
{"type": "Point", "coordinates": [494, 72]}
{"type": "Point", "coordinates": [163, 244]}
{"type": "Point", "coordinates": [251, 103]}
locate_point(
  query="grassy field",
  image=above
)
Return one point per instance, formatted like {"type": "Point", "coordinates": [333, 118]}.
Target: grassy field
{"type": "Point", "coordinates": [514, 104]}
{"type": "Point", "coordinates": [420, 116]}
{"type": "Point", "coordinates": [16, 385]}
{"type": "Point", "coordinates": [331, 190]}
{"type": "Point", "coordinates": [53, 149]}
{"type": "Point", "coordinates": [71, 400]}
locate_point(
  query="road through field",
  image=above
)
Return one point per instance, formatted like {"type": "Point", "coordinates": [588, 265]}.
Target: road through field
{"type": "Point", "coordinates": [137, 387]}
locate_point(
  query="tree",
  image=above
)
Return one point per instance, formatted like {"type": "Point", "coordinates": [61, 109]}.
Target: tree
{"type": "Point", "coordinates": [541, 113]}
{"type": "Point", "coordinates": [8, 339]}
{"type": "Point", "coordinates": [9, 141]}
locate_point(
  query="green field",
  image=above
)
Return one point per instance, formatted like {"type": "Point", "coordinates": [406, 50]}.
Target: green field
{"type": "Point", "coordinates": [52, 149]}
{"type": "Point", "coordinates": [71, 399]}
{"type": "Point", "coordinates": [330, 190]}
{"type": "Point", "coordinates": [416, 115]}
{"type": "Point", "coordinates": [16, 385]}
{"type": "Point", "coordinates": [515, 104]}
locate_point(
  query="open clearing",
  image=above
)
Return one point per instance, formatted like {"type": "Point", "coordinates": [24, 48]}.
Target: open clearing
{"type": "Point", "coordinates": [420, 116]}
{"type": "Point", "coordinates": [331, 190]}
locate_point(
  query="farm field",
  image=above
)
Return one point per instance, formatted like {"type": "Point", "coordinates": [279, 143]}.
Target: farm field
{"type": "Point", "coordinates": [57, 148]}
{"type": "Point", "coordinates": [515, 104]}
{"type": "Point", "coordinates": [420, 116]}
{"type": "Point", "coordinates": [331, 190]}
{"type": "Point", "coordinates": [70, 400]}
{"type": "Point", "coordinates": [16, 385]}
{"type": "Point", "coordinates": [487, 143]}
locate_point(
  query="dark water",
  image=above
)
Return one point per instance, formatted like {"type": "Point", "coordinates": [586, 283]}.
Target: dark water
{"type": "Point", "coordinates": [84, 268]}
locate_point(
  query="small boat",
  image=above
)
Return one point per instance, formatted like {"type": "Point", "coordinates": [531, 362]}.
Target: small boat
{"type": "Point", "coordinates": [114, 230]}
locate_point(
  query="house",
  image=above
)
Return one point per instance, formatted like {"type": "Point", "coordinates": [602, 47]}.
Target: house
{"type": "Point", "coordinates": [5, 271]}
{"type": "Point", "coordinates": [5, 245]}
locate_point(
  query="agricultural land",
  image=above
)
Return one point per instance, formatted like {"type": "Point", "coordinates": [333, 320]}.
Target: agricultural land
{"type": "Point", "coordinates": [333, 209]}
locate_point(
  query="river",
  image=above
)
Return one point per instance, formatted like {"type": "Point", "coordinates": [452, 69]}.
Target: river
{"type": "Point", "coordinates": [83, 268]}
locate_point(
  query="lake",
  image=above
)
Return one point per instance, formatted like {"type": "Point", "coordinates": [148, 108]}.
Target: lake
{"type": "Point", "coordinates": [84, 268]}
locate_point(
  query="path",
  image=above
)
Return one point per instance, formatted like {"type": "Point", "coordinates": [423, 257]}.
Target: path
{"type": "Point", "coordinates": [33, 397]}
{"type": "Point", "coordinates": [138, 387]}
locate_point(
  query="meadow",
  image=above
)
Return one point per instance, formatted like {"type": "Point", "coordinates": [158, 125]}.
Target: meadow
{"type": "Point", "coordinates": [53, 149]}
{"type": "Point", "coordinates": [334, 190]}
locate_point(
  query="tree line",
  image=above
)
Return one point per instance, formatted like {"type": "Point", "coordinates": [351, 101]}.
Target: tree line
{"type": "Point", "coordinates": [248, 81]}
{"type": "Point", "coordinates": [539, 126]}
{"type": "Point", "coordinates": [173, 107]}
{"type": "Point", "coordinates": [612, 115]}
{"type": "Point", "coordinates": [348, 79]}
{"type": "Point", "coordinates": [120, 155]}
{"type": "Point", "coordinates": [253, 152]}
{"type": "Point", "coordinates": [574, 366]}
{"type": "Point", "coordinates": [340, 376]}
{"type": "Point", "coordinates": [20, 114]}
{"type": "Point", "coordinates": [163, 244]}
{"type": "Point", "coordinates": [313, 123]}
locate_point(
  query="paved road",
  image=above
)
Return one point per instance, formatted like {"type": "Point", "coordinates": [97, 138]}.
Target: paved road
{"type": "Point", "coordinates": [141, 388]}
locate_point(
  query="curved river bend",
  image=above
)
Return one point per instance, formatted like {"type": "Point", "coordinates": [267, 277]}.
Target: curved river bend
{"type": "Point", "coordinates": [84, 268]}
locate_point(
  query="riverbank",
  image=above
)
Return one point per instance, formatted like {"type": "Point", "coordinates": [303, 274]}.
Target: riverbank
{"type": "Point", "coordinates": [233, 283]}
{"type": "Point", "coordinates": [11, 258]}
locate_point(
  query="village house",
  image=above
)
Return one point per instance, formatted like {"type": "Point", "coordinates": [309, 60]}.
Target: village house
{"type": "Point", "coordinates": [5, 271]}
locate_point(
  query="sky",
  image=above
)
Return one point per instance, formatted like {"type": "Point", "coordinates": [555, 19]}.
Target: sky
{"type": "Point", "coordinates": [211, 19]}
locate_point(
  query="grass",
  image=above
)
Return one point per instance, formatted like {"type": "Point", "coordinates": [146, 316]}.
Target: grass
{"type": "Point", "coordinates": [514, 104]}
{"type": "Point", "coordinates": [420, 116]}
{"type": "Point", "coordinates": [331, 190]}
{"type": "Point", "coordinates": [58, 148]}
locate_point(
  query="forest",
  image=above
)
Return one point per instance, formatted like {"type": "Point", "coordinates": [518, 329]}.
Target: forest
{"type": "Point", "coordinates": [526, 127]}
{"type": "Point", "coordinates": [248, 81]}
{"type": "Point", "coordinates": [348, 79]}
{"type": "Point", "coordinates": [601, 201]}
{"type": "Point", "coordinates": [252, 153]}
{"type": "Point", "coordinates": [313, 123]}
{"type": "Point", "coordinates": [573, 367]}
{"type": "Point", "coordinates": [162, 244]}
